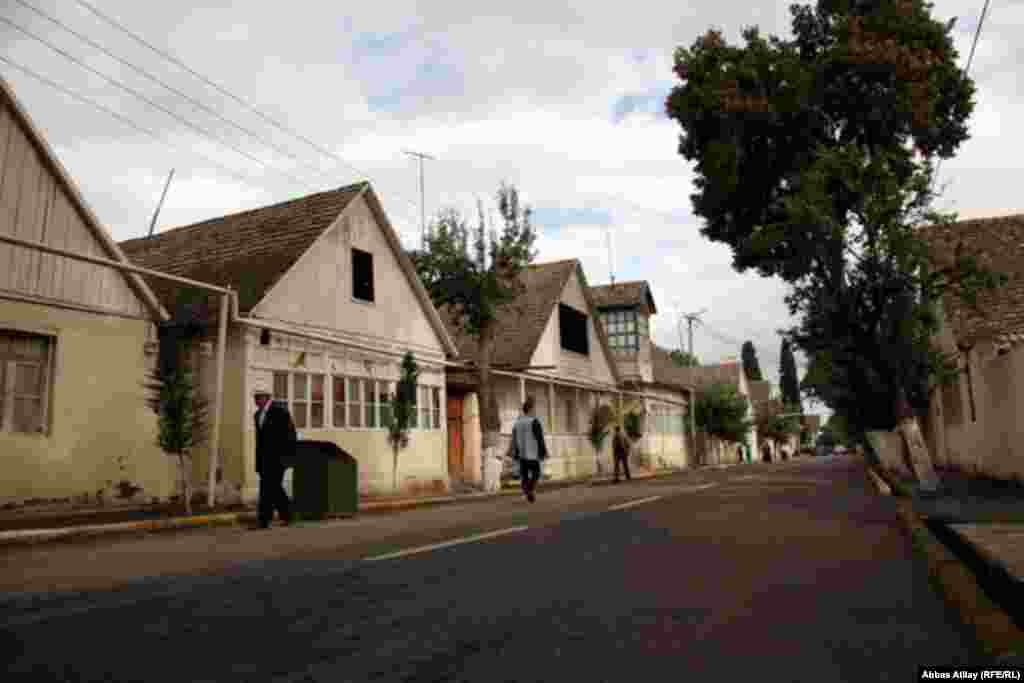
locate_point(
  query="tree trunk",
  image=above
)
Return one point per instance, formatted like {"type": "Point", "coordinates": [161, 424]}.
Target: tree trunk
{"type": "Point", "coordinates": [394, 470]}
{"type": "Point", "coordinates": [910, 429]}
{"type": "Point", "coordinates": [490, 424]}
{"type": "Point", "coordinates": [186, 488]}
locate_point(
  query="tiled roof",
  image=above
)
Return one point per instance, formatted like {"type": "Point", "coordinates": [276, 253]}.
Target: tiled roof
{"type": "Point", "coordinates": [699, 377]}
{"type": "Point", "coordinates": [997, 243]}
{"type": "Point", "coordinates": [521, 323]}
{"type": "Point", "coordinates": [623, 294]}
{"type": "Point", "coordinates": [249, 251]}
{"type": "Point", "coordinates": [665, 371]}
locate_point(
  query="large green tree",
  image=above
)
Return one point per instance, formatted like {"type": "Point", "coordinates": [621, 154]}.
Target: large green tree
{"type": "Point", "coordinates": [721, 412]}
{"type": "Point", "coordinates": [470, 279]}
{"type": "Point", "coordinates": [750, 365]}
{"type": "Point", "coordinates": [789, 384]}
{"type": "Point", "coordinates": [814, 160]}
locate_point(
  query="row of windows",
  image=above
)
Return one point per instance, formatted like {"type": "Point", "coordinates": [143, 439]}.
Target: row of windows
{"type": "Point", "coordinates": [352, 403]}
{"type": "Point", "coordinates": [624, 329]}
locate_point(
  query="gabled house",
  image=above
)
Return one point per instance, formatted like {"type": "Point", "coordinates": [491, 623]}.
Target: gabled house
{"type": "Point", "coordinates": [548, 345]}
{"type": "Point", "coordinates": [659, 393]}
{"type": "Point", "coordinates": [973, 424]}
{"type": "Point", "coordinates": [328, 303]}
{"type": "Point", "coordinates": [73, 339]}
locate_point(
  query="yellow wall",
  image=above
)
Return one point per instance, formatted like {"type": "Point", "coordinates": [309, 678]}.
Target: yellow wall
{"type": "Point", "coordinates": [97, 411]}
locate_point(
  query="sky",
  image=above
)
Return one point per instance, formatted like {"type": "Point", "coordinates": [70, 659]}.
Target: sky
{"type": "Point", "coordinates": [565, 100]}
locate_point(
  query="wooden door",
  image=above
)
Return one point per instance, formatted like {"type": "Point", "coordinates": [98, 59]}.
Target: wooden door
{"type": "Point", "coordinates": [456, 453]}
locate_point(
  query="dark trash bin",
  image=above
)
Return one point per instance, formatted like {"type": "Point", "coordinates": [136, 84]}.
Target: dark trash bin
{"type": "Point", "coordinates": [324, 481]}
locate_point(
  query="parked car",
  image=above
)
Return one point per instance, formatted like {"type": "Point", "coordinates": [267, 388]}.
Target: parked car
{"type": "Point", "coordinates": [839, 450]}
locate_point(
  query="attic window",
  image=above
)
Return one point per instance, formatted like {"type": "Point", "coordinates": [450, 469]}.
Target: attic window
{"type": "Point", "coordinates": [362, 275]}
{"type": "Point", "coordinates": [573, 327]}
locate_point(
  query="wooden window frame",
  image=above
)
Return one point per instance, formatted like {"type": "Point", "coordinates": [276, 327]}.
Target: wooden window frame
{"type": "Point", "coordinates": [8, 380]}
{"type": "Point", "coordinates": [337, 380]}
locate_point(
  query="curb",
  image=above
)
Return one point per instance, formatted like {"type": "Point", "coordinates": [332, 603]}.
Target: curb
{"type": "Point", "coordinates": [996, 633]}
{"type": "Point", "coordinates": [22, 537]}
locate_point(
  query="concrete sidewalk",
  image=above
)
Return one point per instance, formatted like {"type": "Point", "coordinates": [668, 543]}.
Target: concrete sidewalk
{"type": "Point", "coordinates": [959, 583]}
{"type": "Point", "coordinates": [43, 533]}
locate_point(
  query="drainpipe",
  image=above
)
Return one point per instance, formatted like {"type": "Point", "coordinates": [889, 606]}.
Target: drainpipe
{"type": "Point", "coordinates": [218, 401]}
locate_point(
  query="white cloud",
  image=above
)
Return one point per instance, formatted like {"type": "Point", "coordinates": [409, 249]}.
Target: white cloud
{"type": "Point", "coordinates": [523, 92]}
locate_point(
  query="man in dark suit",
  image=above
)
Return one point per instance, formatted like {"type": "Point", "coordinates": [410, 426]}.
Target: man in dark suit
{"type": "Point", "coordinates": [275, 445]}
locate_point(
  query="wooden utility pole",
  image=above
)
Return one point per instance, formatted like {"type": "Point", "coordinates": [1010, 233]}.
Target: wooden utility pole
{"type": "Point", "coordinates": [423, 213]}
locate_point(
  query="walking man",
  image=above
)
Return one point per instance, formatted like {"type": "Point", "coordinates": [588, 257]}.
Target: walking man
{"type": "Point", "coordinates": [275, 444]}
{"type": "Point", "coordinates": [528, 448]}
{"type": "Point", "coordinates": [620, 451]}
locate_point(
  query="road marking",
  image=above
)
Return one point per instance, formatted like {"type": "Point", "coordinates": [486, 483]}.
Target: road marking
{"type": "Point", "coordinates": [445, 544]}
{"type": "Point", "coordinates": [641, 501]}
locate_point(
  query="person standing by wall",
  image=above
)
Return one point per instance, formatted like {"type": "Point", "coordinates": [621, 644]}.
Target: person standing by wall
{"type": "Point", "coordinates": [620, 451]}
{"type": "Point", "coordinates": [528, 448]}
{"type": "Point", "coordinates": [275, 445]}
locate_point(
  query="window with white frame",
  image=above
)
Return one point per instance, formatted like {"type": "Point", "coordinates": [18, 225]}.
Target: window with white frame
{"type": "Point", "coordinates": [355, 401]}
{"type": "Point", "coordinates": [302, 393]}
{"type": "Point", "coordinates": [386, 394]}
{"type": "Point", "coordinates": [424, 405]}
{"type": "Point", "coordinates": [26, 370]}
{"type": "Point", "coordinates": [370, 403]}
{"type": "Point", "coordinates": [339, 405]}
{"type": "Point", "coordinates": [435, 393]}
{"type": "Point", "coordinates": [624, 327]}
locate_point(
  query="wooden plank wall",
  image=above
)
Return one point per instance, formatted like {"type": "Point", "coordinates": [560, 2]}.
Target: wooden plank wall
{"type": "Point", "coordinates": [35, 205]}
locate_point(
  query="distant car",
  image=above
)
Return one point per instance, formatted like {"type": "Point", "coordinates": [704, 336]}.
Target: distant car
{"type": "Point", "coordinates": [839, 450]}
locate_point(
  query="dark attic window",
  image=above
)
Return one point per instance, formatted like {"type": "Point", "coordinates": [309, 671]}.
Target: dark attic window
{"type": "Point", "coordinates": [573, 327]}
{"type": "Point", "coordinates": [362, 275]}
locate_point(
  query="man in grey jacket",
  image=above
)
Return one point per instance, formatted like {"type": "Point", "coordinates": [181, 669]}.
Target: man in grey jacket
{"type": "Point", "coordinates": [528, 448]}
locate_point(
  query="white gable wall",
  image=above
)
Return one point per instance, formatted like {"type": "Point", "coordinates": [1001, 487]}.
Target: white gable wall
{"type": "Point", "coordinates": [317, 291]}
{"type": "Point", "coordinates": [596, 366]}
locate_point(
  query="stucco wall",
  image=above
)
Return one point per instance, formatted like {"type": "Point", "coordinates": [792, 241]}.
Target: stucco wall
{"type": "Point", "coordinates": [97, 412]}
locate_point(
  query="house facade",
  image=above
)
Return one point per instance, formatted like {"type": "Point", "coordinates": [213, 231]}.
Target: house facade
{"type": "Point", "coordinates": [659, 392]}
{"type": "Point", "coordinates": [327, 305]}
{"type": "Point", "coordinates": [551, 344]}
{"type": "Point", "coordinates": [973, 423]}
{"type": "Point", "coordinates": [76, 340]}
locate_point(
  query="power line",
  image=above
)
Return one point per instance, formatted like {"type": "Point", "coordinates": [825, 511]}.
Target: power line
{"type": "Point", "coordinates": [146, 74]}
{"type": "Point", "coordinates": [125, 120]}
{"type": "Point", "coordinates": [174, 60]}
{"type": "Point", "coordinates": [151, 103]}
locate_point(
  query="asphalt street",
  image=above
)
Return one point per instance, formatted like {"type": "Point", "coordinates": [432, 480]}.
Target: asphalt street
{"type": "Point", "coordinates": [786, 572]}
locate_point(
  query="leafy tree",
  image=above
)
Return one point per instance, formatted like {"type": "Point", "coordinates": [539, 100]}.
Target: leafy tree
{"type": "Point", "coordinates": [472, 282]}
{"type": "Point", "coordinates": [631, 425]}
{"type": "Point", "coordinates": [182, 423]}
{"type": "Point", "coordinates": [402, 413]}
{"type": "Point", "coordinates": [789, 384]}
{"type": "Point", "coordinates": [750, 365]}
{"type": "Point", "coordinates": [815, 164]}
{"type": "Point", "coordinates": [684, 359]}
{"type": "Point", "coordinates": [776, 422]}
{"type": "Point", "coordinates": [601, 418]}
{"type": "Point", "coordinates": [721, 412]}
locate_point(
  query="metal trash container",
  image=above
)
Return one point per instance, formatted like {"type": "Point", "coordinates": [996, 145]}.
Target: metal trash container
{"type": "Point", "coordinates": [324, 481]}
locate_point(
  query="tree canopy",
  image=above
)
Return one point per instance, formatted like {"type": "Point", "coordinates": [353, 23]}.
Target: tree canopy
{"type": "Point", "coordinates": [750, 365]}
{"type": "Point", "coordinates": [814, 161]}
{"type": "Point", "coordinates": [789, 385]}
{"type": "Point", "coordinates": [721, 411]}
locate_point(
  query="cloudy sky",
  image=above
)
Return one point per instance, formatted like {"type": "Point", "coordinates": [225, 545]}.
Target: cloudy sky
{"type": "Point", "coordinates": [564, 100]}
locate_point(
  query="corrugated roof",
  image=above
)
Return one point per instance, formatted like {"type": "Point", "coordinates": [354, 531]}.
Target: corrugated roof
{"type": "Point", "coordinates": [623, 294]}
{"type": "Point", "coordinates": [998, 244]}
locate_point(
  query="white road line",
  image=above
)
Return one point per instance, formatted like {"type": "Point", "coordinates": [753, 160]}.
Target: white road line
{"type": "Point", "coordinates": [641, 501]}
{"type": "Point", "coordinates": [445, 544]}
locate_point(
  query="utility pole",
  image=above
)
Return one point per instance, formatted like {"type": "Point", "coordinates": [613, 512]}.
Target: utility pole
{"type": "Point", "coordinates": [423, 213]}
{"type": "Point", "coordinates": [152, 223]}
{"type": "Point", "coordinates": [690, 318]}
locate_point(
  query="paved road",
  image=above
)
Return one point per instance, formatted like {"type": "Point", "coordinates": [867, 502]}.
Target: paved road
{"type": "Point", "coordinates": [789, 572]}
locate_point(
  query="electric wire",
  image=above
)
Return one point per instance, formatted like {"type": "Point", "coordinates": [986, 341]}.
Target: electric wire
{"type": "Point", "coordinates": [153, 104]}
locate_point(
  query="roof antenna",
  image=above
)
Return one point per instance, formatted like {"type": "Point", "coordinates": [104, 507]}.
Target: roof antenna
{"type": "Point", "coordinates": [611, 262]}
{"type": "Point", "coordinates": [152, 223]}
